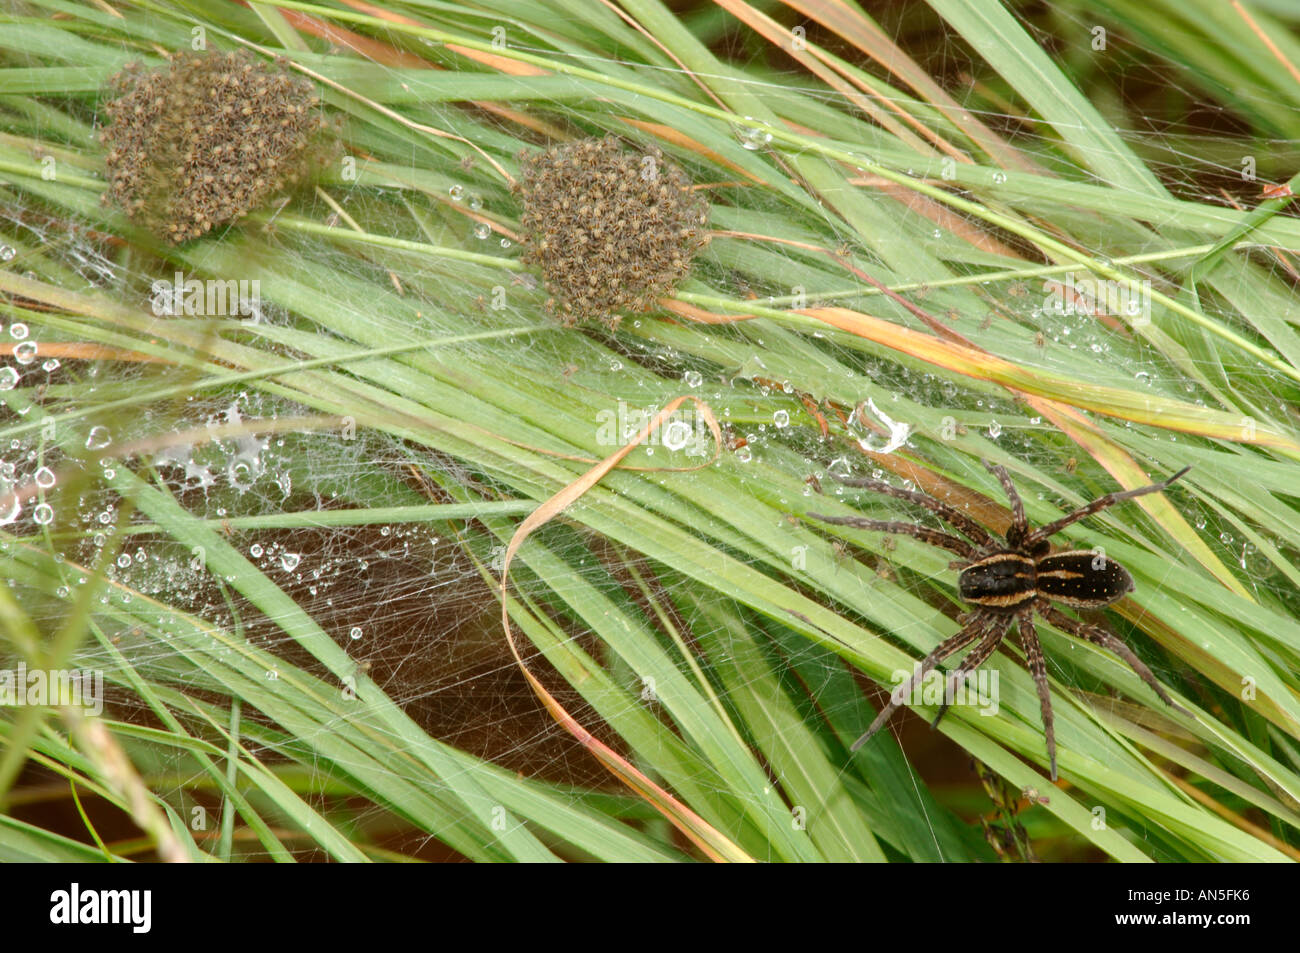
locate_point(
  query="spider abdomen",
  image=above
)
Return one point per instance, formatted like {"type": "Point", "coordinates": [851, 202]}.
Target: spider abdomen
{"type": "Point", "coordinates": [1083, 578]}
{"type": "Point", "coordinates": [1001, 581]}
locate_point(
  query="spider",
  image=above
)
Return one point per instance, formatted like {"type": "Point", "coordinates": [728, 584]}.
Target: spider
{"type": "Point", "coordinates": [1008, 582]}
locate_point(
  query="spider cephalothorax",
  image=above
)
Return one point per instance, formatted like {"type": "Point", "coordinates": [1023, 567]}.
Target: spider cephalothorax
{"type": "Point", "coordinates": [1010, 581]}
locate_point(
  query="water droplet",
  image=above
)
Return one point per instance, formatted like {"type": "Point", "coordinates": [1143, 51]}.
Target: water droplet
{"type": "Point", "coordinates": [999, 178]}
{"type": "Point", "coordinates": [123, 561]}
{"type": "Point", "coordinates": [751, 138]}
{"type": "Point", "coordinates": [677, 434]}
{"type": "Point", "coordinates": [457, 192]}
{"type": "Point", "coordinates": [44, 478]}
{"type": "Point", "coordinates": [693, 378]}
{"type": "Point", "coordinates": [995, 430]}
{"type": "Point", "coordinates": [744, 454]}
{"type": "Point", "coordinates": [289, 561]}
{"type": "Point", "coordinates": [15, 506]}
{"type": "Point", "coordinates": [18, 331]}
{"type": "Point", "coordinates": [782, 419]}
{"type": "Point", "coordinates": [255, 550]}
{"type": "Point", "coordinates": [9, 378]}
{"type": "Point", "coordinates": [7, 252]}
{"type": "Point", "coordinates": [482, 229]}
{"type": "Point", "coordinates": [355, 633]}
{"type": "Point", "coordinates": [25, 353]}
{"type": "Point", "coordinates": [506, 243]}
{"type": "Point", "coordinates": [98, 438]}
{"type": "Point", "coordinates": [476, 202]}
{"type": "Point", "coordinates": [43, 514]}
{"type": "Point", "coordinates": [51, 365]}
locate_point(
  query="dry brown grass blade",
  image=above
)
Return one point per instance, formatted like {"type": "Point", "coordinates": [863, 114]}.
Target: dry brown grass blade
{"type": "Point", "coordinates": [1115, 402]}
{"type": "Point", "coordinates": [86, 351]}
{"type": "Point", "coordinates": [680, 139]}
{"type": "Point", "coordinates": [715, 845]}
{"type": "Point", "coordinates": [815, 61]}
{"type": "Point", "coordinates": [850, 24]}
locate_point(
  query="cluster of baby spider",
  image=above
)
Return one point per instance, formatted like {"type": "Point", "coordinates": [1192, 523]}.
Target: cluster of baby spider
{"type": "Point", "coordinates": [611, 230]}
{"type": "Point", "coordinates": [205, 139]}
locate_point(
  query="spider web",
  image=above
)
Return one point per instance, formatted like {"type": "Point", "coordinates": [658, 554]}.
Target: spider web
{"type": "Point", "coordinates": [412, 602]}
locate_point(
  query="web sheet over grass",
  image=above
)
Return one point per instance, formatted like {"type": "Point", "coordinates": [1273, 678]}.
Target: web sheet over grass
{"type": "Point", "coordinates": [299, 516]}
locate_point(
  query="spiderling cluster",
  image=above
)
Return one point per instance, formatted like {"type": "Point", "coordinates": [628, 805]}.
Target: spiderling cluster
{"type": "Point", "coordinates": [611, 230]}
{"type": "Point", "coordinates": [205, 139]}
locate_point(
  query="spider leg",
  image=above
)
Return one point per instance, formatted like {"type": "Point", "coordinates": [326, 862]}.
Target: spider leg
{"type": "Point", "coordinates": [954, 643]}
{"type": "Point", "coordinates": [1097, 505]}
{"type": "Point", "coordinates": [946, 512]}
{"type": "Point", "coordinates": [934, 537]}
{"type": "Point", "coordinates": [1038, 668]}
{"type": "Point", "coordinates": [1099, 636]}
{"type": "Point", "coordinates": [993, 635]}
{"type": "Point", "coordinates": [1019, 525]}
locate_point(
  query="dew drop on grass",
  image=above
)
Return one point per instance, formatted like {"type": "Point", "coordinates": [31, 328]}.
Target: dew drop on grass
{"type": "Point", "coordinates": [18, 331]}
{"type": "Point", "coordinates": [751, 138]}
{"type": "Point", "coordinates": [355, 633]}
{"type": "Point", "coordinates": [44, 478]}
{"type": "Point", "coordinates": [693, 378]}
{"type": "Point", "coordinates": [677, 435]}
{"type": "Point", "coordinates": [457, 192]}
{"type": "Point", "coordinates": [9, 378]}
{"type": "Point", "coordinates": [476, 202]}
{"type": "Point", "coordinates": [289, 561]}
{"type": "Point", "coordinates": [482, 230]}
{"type": "Point", "coordinates": [7, 253]}
{"type": "Point", "coordinates": [14, 507]}
{"type": "Point", "coordinates": [255, 550]}
{"type": "Point", "coordinates": [98, 438]}
{"type": "Point", "coordinates": [25, 353]}
{"type": "Point", "coordinates": [782, 419]}
{"type": "Point", "coordinates": [995, 430]}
